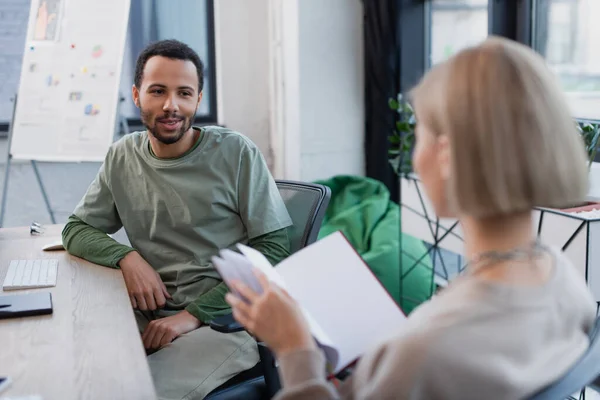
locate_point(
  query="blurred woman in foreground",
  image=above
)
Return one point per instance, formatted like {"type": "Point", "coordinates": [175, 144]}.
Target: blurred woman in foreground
{"type": "Point", "coordinates": [494, 139]}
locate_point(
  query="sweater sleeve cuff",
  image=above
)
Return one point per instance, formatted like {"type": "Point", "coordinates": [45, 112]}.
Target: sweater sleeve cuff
{"type": "Point", "coordinates": [202, 316]}
{"type": "Point", "coordinates": [301, 366]}
{"type": "Point", "coordinates": [119, 255]}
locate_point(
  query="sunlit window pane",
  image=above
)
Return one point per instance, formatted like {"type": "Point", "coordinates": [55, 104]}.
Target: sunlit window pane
{"type": "Point", "coordinates": [567, 34]}
{"type": "Point", "coordinates": [456, 24]}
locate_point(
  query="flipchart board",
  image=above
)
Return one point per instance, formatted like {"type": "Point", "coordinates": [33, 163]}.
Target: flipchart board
{"type": "Point", "coordinates": [69, 89]}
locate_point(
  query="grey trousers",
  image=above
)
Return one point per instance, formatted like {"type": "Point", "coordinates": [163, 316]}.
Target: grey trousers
{"type": "Point", "coordinates": [197, 362]}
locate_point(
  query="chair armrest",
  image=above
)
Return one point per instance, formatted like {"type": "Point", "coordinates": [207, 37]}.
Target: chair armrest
{"type": "Point", "coordinates": [269, 369]}
{"type": "Point", "coordinates": [226, 324]}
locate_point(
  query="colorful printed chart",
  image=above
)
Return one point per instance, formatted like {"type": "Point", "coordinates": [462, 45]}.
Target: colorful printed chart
{"type": "Point", "coordinates": [69, 89]}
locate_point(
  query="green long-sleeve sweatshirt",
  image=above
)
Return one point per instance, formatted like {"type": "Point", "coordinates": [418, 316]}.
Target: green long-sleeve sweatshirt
{"type": "Point", "coordinates": [180, 212]}
{"type": "Point", "coordinates": [85, 241]}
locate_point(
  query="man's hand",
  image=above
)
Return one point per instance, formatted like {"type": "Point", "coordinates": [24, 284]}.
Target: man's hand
{"type": "Point", "coordinates": [146, 290]}
{"type": "Point", "coordinates": [164, 330]}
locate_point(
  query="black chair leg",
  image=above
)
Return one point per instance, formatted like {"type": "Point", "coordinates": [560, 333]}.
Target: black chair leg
{"type": "Point", "coordinates": [271, 375]}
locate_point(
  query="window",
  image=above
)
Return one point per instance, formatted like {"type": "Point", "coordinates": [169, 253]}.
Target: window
{"type": "Point", "coordinates": [190, 21]}
{"type": "Point", "coordinates": [456, 24]}
{"type": "Point", "coordinates": [567, 34]}
{"type": "Point", "coordinates": [13, 29]}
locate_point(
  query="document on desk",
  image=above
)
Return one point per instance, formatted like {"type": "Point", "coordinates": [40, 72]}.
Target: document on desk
{"type": "Point", "coordinates": [346, 306]}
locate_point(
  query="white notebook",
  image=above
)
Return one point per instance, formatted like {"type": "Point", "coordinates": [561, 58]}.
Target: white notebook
{"type": "Point", "coordinates": [347, 308]}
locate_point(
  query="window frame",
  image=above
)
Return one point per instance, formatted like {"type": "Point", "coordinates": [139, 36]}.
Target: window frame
{"type": "Point", "coordinates": [415, 41]}
{"type": "Point", "coordinates": [210, 75]}
{"type": "Point", "coordinates": [542, 24]}
{"type": "Point", "coordinates": [515, 20]}
{"type": "Point", "coordinates": [512, 19]}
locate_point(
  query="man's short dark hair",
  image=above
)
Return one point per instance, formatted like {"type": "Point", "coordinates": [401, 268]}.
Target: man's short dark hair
{"type": "Point", "coordinates": [173, 49]}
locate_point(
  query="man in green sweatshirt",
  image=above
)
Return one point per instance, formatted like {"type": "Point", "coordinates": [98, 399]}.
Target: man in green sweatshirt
{"type": "Point", "coordinates": [181, 193]}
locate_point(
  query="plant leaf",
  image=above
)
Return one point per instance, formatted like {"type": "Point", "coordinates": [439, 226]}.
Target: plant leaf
{"type": "Point", "coordinates": [395, 163]}
{"type": "Point", "coordinates": [403, 126]}
{"type": "Point", "coordinates": [594, 141]}
{"type": "Point", "coordinates": [402, 140]}
{"type": "Point", "coordinates": [394, 139]}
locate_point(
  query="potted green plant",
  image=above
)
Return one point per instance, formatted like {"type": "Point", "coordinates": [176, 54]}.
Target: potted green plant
{"type": "Point", "coordinates": [402, 141]}
{"type": "Point", "coordinates": [403, 137]}
{"type": "Point", "coordinates": [590, 133]}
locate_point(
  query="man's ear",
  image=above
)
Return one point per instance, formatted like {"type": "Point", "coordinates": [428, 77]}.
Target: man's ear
{"type": "Point", "coordinates": [135, 93]}
{"type": "Point", "coordinates": [444, 156]}
{"type": "Point", "coordinates": [199, 99]}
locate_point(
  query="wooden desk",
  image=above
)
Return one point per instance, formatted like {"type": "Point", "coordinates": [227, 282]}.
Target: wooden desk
{"type": "Point", "coordinates": [89, 348]}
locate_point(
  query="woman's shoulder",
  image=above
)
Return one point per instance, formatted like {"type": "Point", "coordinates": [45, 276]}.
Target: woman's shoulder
{"type": "Point", "coordinates": [571, 290]}
{"type": "Point", "coordinates": [403, 363]}
{"type": "Point", "coordinates": [483, 318]}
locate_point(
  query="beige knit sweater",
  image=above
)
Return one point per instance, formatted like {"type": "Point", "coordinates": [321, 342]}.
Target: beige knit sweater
{"type": "Point", "coordinates": [475, 340]}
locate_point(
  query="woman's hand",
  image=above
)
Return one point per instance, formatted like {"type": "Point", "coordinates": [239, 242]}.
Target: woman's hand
{"type": "Point", "coordinates": [273, 316]}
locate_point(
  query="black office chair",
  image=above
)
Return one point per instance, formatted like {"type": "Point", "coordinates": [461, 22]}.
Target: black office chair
{"type": "Point", "coordinates": [582, 374]}
{"type": "Point", "coordinates": [306, 203]}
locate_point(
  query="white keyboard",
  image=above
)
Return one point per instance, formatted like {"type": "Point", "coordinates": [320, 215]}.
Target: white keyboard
{"type": "Point", "coordinates": [31, 274]}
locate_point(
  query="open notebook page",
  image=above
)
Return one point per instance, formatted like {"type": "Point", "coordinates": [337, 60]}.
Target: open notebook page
{"type": "Point", "coordinates": [341, 293]}
{"type": "Point", "coordinates": [258, 260]}
{"type": "Point", "coordinates": [233, 266]}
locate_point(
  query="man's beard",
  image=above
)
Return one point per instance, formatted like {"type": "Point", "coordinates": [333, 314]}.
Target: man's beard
{"type": "Point", "coordinates": [185, 126]}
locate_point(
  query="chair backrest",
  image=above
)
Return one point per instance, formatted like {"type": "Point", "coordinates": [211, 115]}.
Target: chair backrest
{"type": "Point", "coordinates": [584, 372]}
{"type": "Point", "coordinates": [306, 203]}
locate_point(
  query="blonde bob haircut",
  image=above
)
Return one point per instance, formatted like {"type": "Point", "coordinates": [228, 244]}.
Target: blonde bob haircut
{"type": "Point", "coordinates": [513, 142]}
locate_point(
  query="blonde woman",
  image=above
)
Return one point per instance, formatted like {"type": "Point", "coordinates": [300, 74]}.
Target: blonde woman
{"type": "Point", "coordinates": [494, 139]}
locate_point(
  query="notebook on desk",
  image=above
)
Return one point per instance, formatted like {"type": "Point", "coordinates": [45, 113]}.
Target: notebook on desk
{"type": "Point", "coordinates": [24, 305]}
{"type": "Point", "coordinates": [346, 306]}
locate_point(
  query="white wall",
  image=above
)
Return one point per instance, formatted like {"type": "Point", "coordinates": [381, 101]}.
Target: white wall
{"type": "Point", "coordinates": [291, 78]}
{"type": "Point", "coordinates": [242, 50]}
{"type": "Point", "coordinates": [331, 88]}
